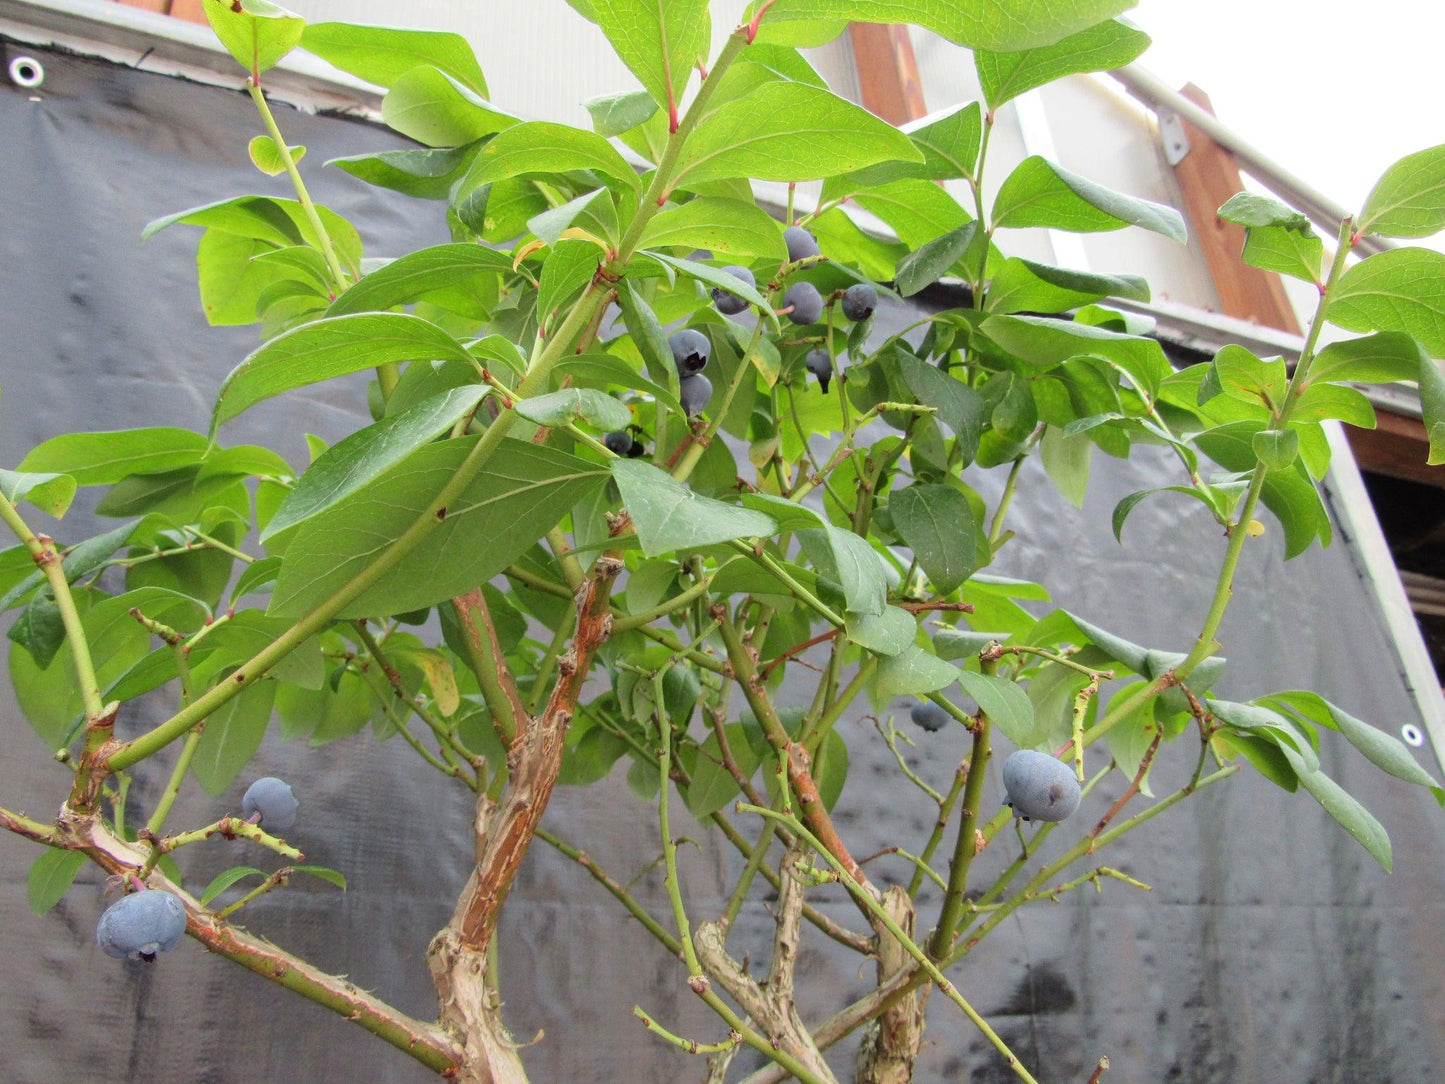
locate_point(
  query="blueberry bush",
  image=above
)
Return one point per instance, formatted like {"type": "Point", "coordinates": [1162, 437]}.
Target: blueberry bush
{"type": "Point", "coordinates": [638, 456]}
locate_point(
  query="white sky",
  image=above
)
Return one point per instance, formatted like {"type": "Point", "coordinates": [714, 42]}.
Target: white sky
{"type": "Point", "coordinates": [1333, 90]}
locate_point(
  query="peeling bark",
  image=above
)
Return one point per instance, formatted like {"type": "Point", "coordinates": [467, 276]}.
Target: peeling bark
{"type": "Point", "coordinates": [470, 1006]}
{"type": "Point", "coordinates": [892, 1042]}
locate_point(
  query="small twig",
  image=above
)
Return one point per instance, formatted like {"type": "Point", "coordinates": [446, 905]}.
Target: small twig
{"type": "Point", "coordinates": [687, 1046]}
{"type": "Point", "coordinates": [798, 649]}
{"type": "Point", "coordinates": [891, 736]}
{"type": "Point", "coordinates": [278, 879]}
{"type": "Point", "coordinates": [1098, 1073]}
{"type": "Point", "coordinates": [1131, 790]}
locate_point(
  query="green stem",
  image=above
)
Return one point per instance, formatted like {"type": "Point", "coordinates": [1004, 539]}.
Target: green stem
{"type": "Point", "coordinates": [672, 605]}
{"type": "Point", "coordinates": [966, 845]}
{"type": "Point", "coordinates": [43, 550]}
{"type": "Point", "coordinates": [583, 859]}
{"type": "Point", "coordinates": [308, 206]}
{"type": "Point", "coordinates": [188, 749]}
{"type": "Point", "coordinates": [687, 1046]}
{"type": "Point", "coordinates": [669, 847]}
{"type": "Point", "coordinates": [276, 880]}
{"type": "Point", "coordinates": [995, 529]}
{"type": "Point", "coordinates": [881, 915]}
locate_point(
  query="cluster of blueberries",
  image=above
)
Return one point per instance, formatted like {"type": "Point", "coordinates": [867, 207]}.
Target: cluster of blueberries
{"type": "Point", "coordinates": [143, 924]}
{"type": "Point", "coordinates": [1040, 787]}
{"type": "Point", "coordinates": [803, 305]}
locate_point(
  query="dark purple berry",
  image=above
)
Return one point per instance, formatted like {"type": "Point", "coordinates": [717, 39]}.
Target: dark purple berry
{"type": "Point", "coordinates": [730, 304]}
{"type": "Point", "coordinates": [618, 443]}
{"type": "Point", "coordinates": [690, 351]}
{"type": "Point", "coordinates": [695, 392]}
{"type": "Point", "coordinates": [821, 366]}
{"type": "Point", "coordinates": [928, 716]}
{"type": "Point", "coordinates": [1040, 787]}
{"type": "Point", "coordinates": [801, 244]}
{"type": "Point", "coordinates": [636, 450]}
{"type": "Point", "coordinates": [806, 303]}
{"type": "Point", "coordinates": [141, 925]}
{"type": "Point", "coordinates": [273, 800]}
{"type": "Point", "coordinates": [859, 301]}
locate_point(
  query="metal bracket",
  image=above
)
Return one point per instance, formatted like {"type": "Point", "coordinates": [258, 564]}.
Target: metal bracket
{"type": "Point", "coordinates": [1171, 134]}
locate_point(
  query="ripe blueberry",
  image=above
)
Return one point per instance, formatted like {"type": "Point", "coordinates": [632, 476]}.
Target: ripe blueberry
{"type": "Point", "coordinates": [141, 925]}
{"type": "Point", "coordinates": [859, 301]}
{"type": "Point", "coordinates": [695, 391]}
{"type": "Point", "coordinates": [929, 716]}
{"type": "Point", "coordinates": [820, 366]}
{"type": "Point", "coordinates": [618, 443]}
{"type": "Point", "coordinates": [731, 304]}
{"type": "Point", "coordinates": [635, 450]}
{"type": "Point", "coordinates": [1040, 787]}
{"type": "Point", "coordinates": [273, 799]}
{"type": "Point", "coordinates": [690, 350]}
{"type": "Point", "coordinates": [801, 244]}
{"type": "Point", "coordinates": [806, 301]}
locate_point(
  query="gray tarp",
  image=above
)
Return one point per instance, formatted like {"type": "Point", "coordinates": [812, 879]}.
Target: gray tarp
{"type": "Point", "coordinates": [1271, 951]}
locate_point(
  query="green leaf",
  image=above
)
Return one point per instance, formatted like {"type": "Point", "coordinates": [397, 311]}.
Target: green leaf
{"type": "Point", "coordinates": [887, 633]}
{"type": "Point", "coordinates": [1044, 342]}
{"type": "Point", "coordinates": [225, 880]}
{"type": "Point", "coordinates": [847, 560]}
{"type": "Point", "coordinates": [959, 406]}
{"type": "Point", "coordinates": [1246, 378]}
{"type": "Point", "coordinates": [591, 211]}
{"type": "Point", "coordinates": [1432, 408]}
{"type": "Point", "coordinates": [614, 114]}
{"type": "Point", "coordinates": [1297, 253]}
{"type": "Point", "coordinates": [231, 737]}
{"type": "Point", "coordinates": [383, 54]}
{"type": "Point", "coordinates": [543, 147]}
{"type": "Point", "coordinates": [937, 524]}
{"type": "Point", "coordinates": [1251, 210]}
{"type": "Point", "coordinates": [980, 24]}
{"type": "Point", "coordinates": [918, 210]}
{"type": "Point", "coordinates": [1127, 505]}
{"type": "Point", "coordinates": [51, 493]}
{"type": "Point", "coordinates": [1370, 359]}
{"type": "Point", "coordinates": [1006, 704]}
{"type": "Point", "coordinates": [597, 408]}
{"type": "Point", "coordinates": [608, 370]}
{"type": "Point", "coordinates": [1039, 193]}
{"type": "Point", "coordinates": [1384, 751]}
{"type": "Point", "coordinates": [437, 110]}
{"type": "Point", "coordinates": [930, 262]}
{"type": "Point", "coordinates": [1289, 493]}
{"type": "Point", "coordinates": [914, 672]}
{"type": "Point", "coordinates": [418, 274]}
{"type": "Point", "coordinates": [659, 40]}
{"type": "Point", "coordinates": [1277, 449]}
{"type": "Point", "coordinates": [325, 873]}
{"type": "Point", "coordinates": [669, 516]}
{"type": "Point", "coordinates": [1350, 814]}
{"type": "Point", "coordinates": [1066, 459]}
{"type": "Point", "coordinates": [1401, 289]}
{"type": "Point", "coordinates": [51, 876]}
{"type": "Point", "coordinates": [949, 145]}
{"type": "Point", "coordinates": [367, 454]}
{"type": "Point", "coordinates": [1024, 286]}
{"type": "Point", "coordinates": [325, 349]}
{"type": "Point", "coordinates": [104, 458]}
{"type": "Point", "coordinates": [524, 491]}
{"type": "Point", "coordinates": [787, 131]}
{"type": "Point", "coordinates": [266, 155]}
{"type": "Point", "coordinates": [257, 33]}
{"type": "Point", "coordinates": [259, 217]}
{"type": "Point", "coordinates": [1101, 47]}
{"type": "Point", "coordinates": [713, 786]}
{"type": "Point", "coordinates": [425, 174]}
{"type": "Point", "coordinates": [259, 574]}
{"type": "Point", "coordinates": [720, 225]}
{"type": "Point", "coordinates": [1409, 200]}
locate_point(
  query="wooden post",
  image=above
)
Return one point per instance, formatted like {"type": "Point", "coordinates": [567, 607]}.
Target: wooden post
{"type": "Point", "coordinates": [1207, 177]}
{"type": "Point", "coordinates": [887, 72]}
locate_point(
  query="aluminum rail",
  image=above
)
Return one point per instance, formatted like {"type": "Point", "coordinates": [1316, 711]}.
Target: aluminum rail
{"type": "Point", "coordinates": [1160, 98]}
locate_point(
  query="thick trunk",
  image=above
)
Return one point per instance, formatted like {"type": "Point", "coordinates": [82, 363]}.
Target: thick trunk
{"type": "Point", "coordinates": [470, 1004]}
{"type": "Point", "coordinates": [892, 1041]}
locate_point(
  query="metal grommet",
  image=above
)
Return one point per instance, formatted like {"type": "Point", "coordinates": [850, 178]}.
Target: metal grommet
{"type": "Point", "coordinates": [1412, 735]}
{"type": "Point", "coordinates": [27, 72]}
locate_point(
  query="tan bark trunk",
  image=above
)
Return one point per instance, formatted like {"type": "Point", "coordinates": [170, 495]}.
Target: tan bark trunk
{"type": "Point", "coordinates": [892, 1041]}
